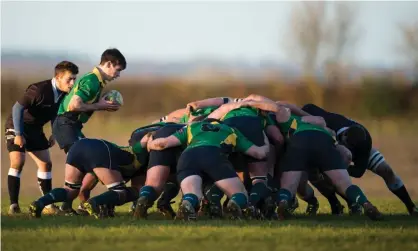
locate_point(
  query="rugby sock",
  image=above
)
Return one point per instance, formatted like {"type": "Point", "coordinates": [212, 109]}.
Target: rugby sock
{"type": "Point", "coordinates": [240, 199]}
{"type": "Point", "coordinates": [258, 192]}
{"type": "Point", "coordinates": [148, 192]}
{"type": "Point", "coordinates": [285, 195]}
{"type": "Point", "coordinates": [45, 182]}
{"type": "Point", "coordinates": [170, 192]}
{"type": "Point", "coordinates": [192, 198]}
{"type": "Point", "coordinates": [355, 195]}
{"type": "Point", "coordinates": [13, 183]}
{"type": "Point", "coordinates": [328, 192]}
{"type": "Point", "coordinates": [272, 183]}
{"type": "Point", "coordinates": [214, 194]}
{"type": "Point", "coordinates": [403, 195]}
{"type": "Point", "coordinates": [56, 195]}
{"type": "Point", "coordinates": [399, 189]}
{"type": "Point", "coordinates": [110, 197]}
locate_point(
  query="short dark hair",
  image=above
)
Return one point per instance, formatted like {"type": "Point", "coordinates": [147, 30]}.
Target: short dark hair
{"type": "Point", "coordinates": [114, 56]}
{"type": "Point", "coordinates": [66, 66]}
{"type": "Point", "coordinates": [355, 135]}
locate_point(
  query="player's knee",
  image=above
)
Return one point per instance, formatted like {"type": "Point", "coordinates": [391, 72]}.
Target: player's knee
{"type": "Point", "coordinates": [45, 167]}
{"type": "Point", "coordinates": [72, 185]}
{"type": "Point", "coordinates": [17, 163]}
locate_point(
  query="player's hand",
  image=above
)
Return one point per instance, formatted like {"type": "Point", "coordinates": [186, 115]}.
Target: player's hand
{"type": "Point", "coordinates": [107, 105]}
{"type": "Point", "coordinates": [192, 106]}
{"type": "Point", "coordinates": [157, 144]}
{"type": "Point", "coordinates": [283, 114]}
{"type": "Point", "coordinates": [20, 141]}
{"type": "Point", "coordinates": [51, 141]}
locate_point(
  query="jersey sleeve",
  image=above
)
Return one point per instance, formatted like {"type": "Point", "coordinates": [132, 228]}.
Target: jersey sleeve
{"type": "Point", "coordinates": [87, 90]}
{"type": "Point", "coordinates": [181, 135]}
{"type": "Point", "coordinates": [242, 144]}
{"type": "Point", "coordinates": [32, 96]}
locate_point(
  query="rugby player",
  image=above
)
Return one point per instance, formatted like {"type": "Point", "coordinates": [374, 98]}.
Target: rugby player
{"type": "Point", "coordinates": [208, 143]}
{"type": "Point", "coordinates": [162, 166]}
{"type": "Point", "coordinates": [80, 103]}
{"type": "Point", "coordinates": [24, 130]}
{"type": "Point", "coordinates": [359, 141]}
{"type": "Point", "coordinates": [312, 145]}
{"type": "Point", "coordinates": [251, 121]}
{"type": "Point", "coordinates": [108, 162]}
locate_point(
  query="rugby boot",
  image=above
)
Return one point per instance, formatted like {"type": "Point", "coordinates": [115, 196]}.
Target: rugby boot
{"type": "Point", "coordinates": [413, 211]}
{"type": "Point", "coordinates": [81, 210]}
{"type": "Point", "coordinates": [295, 205]}
{"type": "Point", "coordinates": [14, 209]}
{"type": "Point", "coordinates": [93, 209]}
{"type": "Point", "coordinates": [186, 212]}
{"type": "Point", "coordinates": [372, 212]}
{"type": "Point", "coordinates": [35, 209]}
{"type": "Point", "coordinates": [312, 208]}
{"type": "Point", "coordinates": [52, 210]}
{"type": "Point", "coordinates": [166, 209]}
{"type": "Point", "coordinates": [267, 209]}
{"type": "Point", "coordinates": [234, 210]}
{"type": "Point", "coordinates": [356, 209]}
{"type": "Point", "coordinates": [337, 209]}
{"type": "Point", "coordinates": [283, 210]}
{"type": "Point", "coordinates": [141, 209]}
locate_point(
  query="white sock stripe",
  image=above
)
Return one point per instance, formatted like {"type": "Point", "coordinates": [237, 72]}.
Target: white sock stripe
{"type": "Point", "coordinates": [45, 175]}
{"type": "Point", "coordinates": [113, 185]}
{"type": "Point", "coordinates": [14, 172]}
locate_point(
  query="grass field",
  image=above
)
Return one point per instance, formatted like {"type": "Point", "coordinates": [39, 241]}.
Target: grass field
{"type": "Point", "coordinates": [397, 232]}
{"type": "Point", "coordinates": [324, 232]}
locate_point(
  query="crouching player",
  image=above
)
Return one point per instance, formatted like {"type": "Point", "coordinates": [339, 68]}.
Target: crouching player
{"type": "Point", "coordinates": [208, 144]}
{"type": "Point", "coordinates": [312, 145]}
{"type": "Point", "coordinates": [105, 160]}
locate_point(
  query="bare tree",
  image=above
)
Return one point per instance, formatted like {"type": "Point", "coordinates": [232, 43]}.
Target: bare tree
{"type": "Point", "coordinates": [342, 31]}
{"type": "Point", "coordinates": [409, 47]}
{"type": "Point", "coordinates": [307, 32]}
{"type": "Point", "coordinates": [321, 31]}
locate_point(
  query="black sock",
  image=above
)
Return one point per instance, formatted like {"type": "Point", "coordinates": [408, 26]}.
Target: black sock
{"type": "Point", "coordinates": [170, 192]}
{"type": "Point", "coordinates": [403, 195]}
{"type": "Point", "coordinates": [258, 192]}
{"type": "Point", "coordinates": [327, 191]}
{"type": "Point", "coordinates": [45, 182]}
{"type": "Point", "coordinates": [13, 184]}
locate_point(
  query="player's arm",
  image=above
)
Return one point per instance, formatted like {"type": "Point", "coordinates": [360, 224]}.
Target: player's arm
{"type": "Point", "coordinates": [247, 147]}
{"type": "Point", "coordinates": [294, 108]}
{"type": "Point", "coordinates": [177, 139]}
{"type": "Point", "coordinates": [208, 102]}
{"type": "Point", "coordinates": [174, 116]}
{"type": "Point", "coordinates": [315, 120]}
{"type": "Point", "coordinates": [30, 97]}
{"type": "Point", "coordinates": [224, 109]}
{"type": "Point", "coordinates": [87, 91]}
{"type": "Point", "coordinates": [264, 105]}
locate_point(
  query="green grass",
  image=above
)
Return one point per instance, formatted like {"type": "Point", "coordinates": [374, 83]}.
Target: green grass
{"type": "Point", "coordinates": [324, 232]}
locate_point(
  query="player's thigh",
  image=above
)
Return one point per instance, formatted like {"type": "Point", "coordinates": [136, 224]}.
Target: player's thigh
{"type": "Point", "coordinates": [42, 159]}
{"type": "Point", "coordinates": [108, 176]}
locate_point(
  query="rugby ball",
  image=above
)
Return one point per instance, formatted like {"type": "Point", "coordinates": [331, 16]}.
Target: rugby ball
{"type": "Point", "coordinates": [114, 96]}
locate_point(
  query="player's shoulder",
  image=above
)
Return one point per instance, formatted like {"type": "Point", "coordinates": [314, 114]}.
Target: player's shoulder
{"type": "Point", "coordinates": [41, 85]}
{"type": "Point", "coordinates": [89, 78]}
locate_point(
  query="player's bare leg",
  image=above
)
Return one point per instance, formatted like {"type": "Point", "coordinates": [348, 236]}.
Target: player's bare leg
{"type": "Point", "coordinates": [69, 192]}
{"type": "Point", "coordinates": [396, 186]}
{"type": "Point", "coordinates": [17, 161]}
{"type": "Point", "coordinates": [43, 161]}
